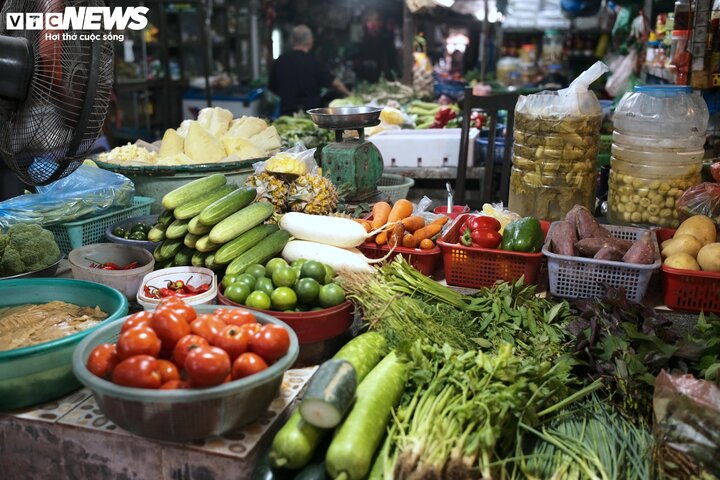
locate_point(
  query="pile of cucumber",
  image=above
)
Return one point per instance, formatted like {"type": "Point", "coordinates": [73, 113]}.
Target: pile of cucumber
{"type": "Point", "coordinates": [210, 223]}
{"type": "Point", "coordinates": [354, 420]}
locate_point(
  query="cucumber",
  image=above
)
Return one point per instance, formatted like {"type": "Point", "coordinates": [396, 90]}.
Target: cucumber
{"type": "Point", "coordinates": [167, 250]}
{"type": "Point", "coordinates": [177, 229]}
{"type": "Point", "coordinates": [351, 451]}
{"type": "Point", "coordinates": [165, 219]}
{"type": "Point", "coordinates": [241, 221]}
{"type": "Point", "coordinates": [210, 262]}
{"type": "Point", "coordinates": [197, 228]}
{"type": "Point", "coordinates": [260, 253]}
{"type": "Point", "coordinates": [183, 257]}
{"type": "Point", "coordinates": [198, 259]}
{"type": "Point", "coordinates": [203, 244]}
{"type": "Point", "coordinates": [194, 189]}
{"type": "Point", "coordinates": [190, 209]}
{"type": "Point", "coordinates": [227, 205]}
{"type": "Point", "coordinates": [164, 264]}
{"type": "Point", "coordinates": [297, 440]}
{"type": "Point", "coordinates": [329, 394]}
{"type": "Point", "coordinates": [156, 234]}
{"type": "Point", "coordinates": [234, 248]}
{"type": "Point", "coordinates": [190, 240]}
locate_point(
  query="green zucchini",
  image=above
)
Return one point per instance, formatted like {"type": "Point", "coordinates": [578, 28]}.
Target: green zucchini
{"type": "Point", "coordinates": [156, 234]}
{"type": "Point", "coordinates": [167, 250]}
{"type": "Point", "coordinates": [295, 443]}
{"type": "Point", "coordinates": [183, 257]}
{"type": "Point", "coordinates": [234, 248]}
{"type": "Point", "coordinates": [329, 394]}
{"type": "Point", "coordinates": [227, 205]}
{"type": "Point", "coordinates": [190, 209]}
{"type": "Point", "coordinates": [198, 259]}
{"type": "Point", "coordinates": [194, 189]}
{"type": "Point", "coordinates": [241, 221]}
{"type": "Point", "coordinates": [177, 229]}
{"type": "Point", "coordinates": [260, 253]}
{"type": "Point", "coordinates": [190, 240]}
{"type": "Point", "coordinates": [351, 451]}
{"type": "Point", "coordinates": [197, 228]}
{"type": "Point", "coordinates": [165, 219]}
{"type": "Point", "coordinates": [203, 244]}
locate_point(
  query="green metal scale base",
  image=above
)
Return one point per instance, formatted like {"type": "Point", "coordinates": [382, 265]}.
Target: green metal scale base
{"type": "Point", "coordinates": [353, 165]}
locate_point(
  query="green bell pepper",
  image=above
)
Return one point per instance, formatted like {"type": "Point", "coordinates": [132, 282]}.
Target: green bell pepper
{"type": "Point", "coordinates": [524, 235]}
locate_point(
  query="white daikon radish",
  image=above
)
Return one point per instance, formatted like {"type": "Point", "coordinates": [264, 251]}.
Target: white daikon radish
{"type": "Point", "coordinates": [338, 232]}
{"type": "Point", "coordinates": [348, 259]}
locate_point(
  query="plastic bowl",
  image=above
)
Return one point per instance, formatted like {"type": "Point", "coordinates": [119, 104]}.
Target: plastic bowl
{"type": "Point", "coordinates": [453, 214]}
{"type": "Point", "coordinates": [187, 414]}
{"type": "Point", "coordinates": [195, 276]}
{"type": "Point", "coordinates": [48, 271]}
{"type": "Point", "coordinates": [146, 244]}
{"type": "Point", "coordinates": [127, 281]}
{"type": "Point", "coordinates": [39, 373]}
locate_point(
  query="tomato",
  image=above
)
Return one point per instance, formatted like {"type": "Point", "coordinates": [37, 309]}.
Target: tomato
{"type": "Point", "coordinates": [171, 322]}
{"type": "Point", "coordinates": [229, 378]}
{"type": "Point", "coordinates": [138, 341]}
{"type": "Point", "coordinates": [207, 366]}
{"type": "Point", "coordinates": [168, 371]}
{"type": "Point", "coordinates": [102, 360]}
{"type": "Point", "coordinates": [330, 295]}
{"type": "Point", "coordinates": [183, 347]}
{"type": "Point", "coordinates": [140, 319]}
{"type": "Point", "coordinates": [252, 329]}
{"type": "Point", "coordinates": [248, 364]}
{"type": "Point", "coordinates": [284, 277]}
{"type": "Point", "coordinates": [485, 238]}
{"type": "Point", "coordinates": [259, 300]}
{"type": "Point", "coordinates": [271, 342]}
{"type": "Point", "coordinates": [140, 371]}
{"type": "Point", "coordinates": [207, 326]}
{"type": "Point", "coordinates": [235, 316]}
{"type": "Point", "coordinates": [233, 339]}
{"type": "Point", "coordinates": [174, 385]}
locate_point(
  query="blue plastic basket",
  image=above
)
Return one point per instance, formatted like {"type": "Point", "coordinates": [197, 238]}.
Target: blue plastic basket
{"type": "Point", "coordinates": [91, 230]}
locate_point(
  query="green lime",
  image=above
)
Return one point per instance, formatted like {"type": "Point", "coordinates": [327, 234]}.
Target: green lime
{"type": "Point", "coordinates": [237, 292]}
{"type": "Point", "coordinates": [257, 270]}
{"type": "Point", "coordinates": [329, 274]}
{"type": "Point", "coordinates": [307, 290]}
{"type": "Point", "coordinates": [284, 277]}
{"type": "Point", "coordinates": [298, 273]}
{"type": "Point", "coordinates": [313, 269]}
{"type": "Point", "coordinates": [228, 280]}
{"type": "Point", "coordinates": [301, 308]}
{"type": "Point", "coordinates": [273, 265]}
{"type": "Point", "coordinates": [283, 298]}
{"type": "Point", "coordinates": [316, 309]}
{"type": "Point", "coordinates": [331, 294]}
{"type": "Point", "coordinates": [264, 284]}
{"type": "Point", "coordinates": [259, 300]}
{"type": "Point", "coordinates": [247, 279]}
{"type": "Point", "coordinates": [299, 262]}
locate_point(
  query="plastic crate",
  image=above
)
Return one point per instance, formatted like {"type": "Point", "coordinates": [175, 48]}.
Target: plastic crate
{"type": "Point", "coordinates": [91, 230]}
{"type": "Point", "coordinates": [605, 144]}
{"type": "Point", "coordinates": [395, 186]}
{"type": "Point", "coordinates": [426, 262]}
{"type": "Point", "coordinates": [579, 277]}
{"type": "Point", "coordinates": [689, 289]}
{"type": "Point", "coordinates": [475, 267]}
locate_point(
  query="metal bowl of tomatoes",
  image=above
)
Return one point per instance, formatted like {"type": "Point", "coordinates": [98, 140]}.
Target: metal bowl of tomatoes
{"type": "Point", "coordinates": [179, 413]}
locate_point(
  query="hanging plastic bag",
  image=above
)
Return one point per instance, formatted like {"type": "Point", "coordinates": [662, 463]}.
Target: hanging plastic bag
{"type": "Point", "coordinates": [701, 199]}
{"type": "Point", "coordinates": [620, 77]}
{"type": "Point", "coordinates": [86, 191]}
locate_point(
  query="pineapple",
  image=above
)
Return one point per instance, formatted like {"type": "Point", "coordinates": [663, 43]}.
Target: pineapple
{"type": "Point", "coordinates": [270, 189]}
{"type": "Point", "coordinates": [286, 163]}
{"type": "Point", "coordinates": [313, 194]}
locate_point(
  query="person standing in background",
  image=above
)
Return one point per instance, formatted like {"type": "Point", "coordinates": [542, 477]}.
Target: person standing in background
{"type": "Point", "coordinates": [297, 77]}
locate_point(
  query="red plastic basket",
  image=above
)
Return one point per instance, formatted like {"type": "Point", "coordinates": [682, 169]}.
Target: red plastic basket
{"type": "Point", "coordinates": [689, 289]}
{"type": "Point", "coordinates": [426, 262]}
{"type": "Point", "coordinates": [476, 267]}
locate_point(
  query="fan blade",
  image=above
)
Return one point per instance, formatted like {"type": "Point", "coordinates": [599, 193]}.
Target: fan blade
{"type": "Point", "coordinates": [16, 65]}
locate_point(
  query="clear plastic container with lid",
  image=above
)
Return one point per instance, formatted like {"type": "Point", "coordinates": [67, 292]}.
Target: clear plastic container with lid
{"type": "Point", "coordinates": [657, 153]}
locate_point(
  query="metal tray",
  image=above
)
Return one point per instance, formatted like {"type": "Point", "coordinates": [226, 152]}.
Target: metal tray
{"type": "Point", "coordinates": [345, 118]}
{"type": "Point", "coordinates": [48, 271]}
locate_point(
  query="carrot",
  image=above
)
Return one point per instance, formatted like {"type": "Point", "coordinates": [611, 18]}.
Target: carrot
{"type": "Point", "coordinates": [401, 210]}
{"type": "Point", "coordinates": [380, 214]}
{"type": "Point", "coordinates": [396, 235]}
{"type": "Point", "coordinates": [427, 244]}
{"type": "Point", "coordinates": [381, 238]}
{"type": "Point", "coordinates": [413, 223]}
{"type": "Point", "coordinates": [430, 230]}
{"type": "Point", "coordinates": [408, 241]}
{"type": "Point", "coordinates": [366, 225]}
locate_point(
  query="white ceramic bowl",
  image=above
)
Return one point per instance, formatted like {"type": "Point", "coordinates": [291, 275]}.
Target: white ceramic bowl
{"type": "Point", "coordinates": [194, 276]}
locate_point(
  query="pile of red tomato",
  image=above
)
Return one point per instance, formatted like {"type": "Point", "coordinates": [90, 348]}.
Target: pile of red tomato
{"type": "Point", "coordinates": [173, 348]}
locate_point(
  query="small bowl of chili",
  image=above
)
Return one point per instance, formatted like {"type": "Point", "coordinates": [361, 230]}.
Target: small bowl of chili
{"type": "Point", "coordinates": [194, 285]}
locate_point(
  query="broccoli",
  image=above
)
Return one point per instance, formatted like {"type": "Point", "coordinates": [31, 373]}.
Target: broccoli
{"type": "Point", "coordinates": [26, 248]}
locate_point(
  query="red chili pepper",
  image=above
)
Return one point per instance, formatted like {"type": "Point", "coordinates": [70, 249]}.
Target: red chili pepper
{"type": "Point", "coordinates": [166, 292]}
{"type": "Point", "coordinates": [130, 266]}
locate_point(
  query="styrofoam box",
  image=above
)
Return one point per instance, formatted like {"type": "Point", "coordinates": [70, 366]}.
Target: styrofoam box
{"type": "Point", "coordinates": [433, 147]}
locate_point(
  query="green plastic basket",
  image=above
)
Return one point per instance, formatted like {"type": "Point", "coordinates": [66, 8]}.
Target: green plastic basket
{"type": "Point", "coordinates": [395, 186]}
{"type": "Point", "coordinates": [91, 230]}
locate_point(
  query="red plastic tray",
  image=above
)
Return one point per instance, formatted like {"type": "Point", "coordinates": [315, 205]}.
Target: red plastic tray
{"type": "Point", "coordinates": [689, 289]}
{"type": "Point", "coordinates": [476, 267]}
{"type": "Point", "coordinates": [310, 327]}
{"type": "Point", "coordinates": [426, 262]}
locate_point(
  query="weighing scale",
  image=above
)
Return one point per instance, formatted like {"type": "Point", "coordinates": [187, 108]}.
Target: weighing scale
{"type": "Point", "coordinates": [354, 165]}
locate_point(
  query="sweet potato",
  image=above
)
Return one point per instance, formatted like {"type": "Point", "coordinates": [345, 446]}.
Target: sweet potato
{"type": "Point", "coordinates": [642, 251]}
{"type": "Point", "coordinates": [609, 253]}
{"type": "Point", "coordinates": [563, 239]}
{"type": "Point", "coordinates": [585, 223]}
{"type": "Point", "coordinates": [589, 247]}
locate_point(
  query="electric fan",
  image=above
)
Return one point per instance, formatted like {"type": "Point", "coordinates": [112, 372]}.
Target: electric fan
{"type": "Point", "coordinates": [54, 93]}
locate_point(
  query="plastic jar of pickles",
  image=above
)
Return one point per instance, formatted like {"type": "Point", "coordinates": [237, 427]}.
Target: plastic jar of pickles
{"type": "Point", "coordinates": [657, 153]}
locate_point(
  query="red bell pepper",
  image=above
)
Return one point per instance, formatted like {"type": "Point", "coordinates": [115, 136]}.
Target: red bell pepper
{"type": "Point", "coordinates": [485, 238]}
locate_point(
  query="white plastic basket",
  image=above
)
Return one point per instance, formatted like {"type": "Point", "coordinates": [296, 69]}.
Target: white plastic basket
{"type": "Point", "coordinates": [432, 147]}
{"type": "Point", "coordinates": [579, 277]}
